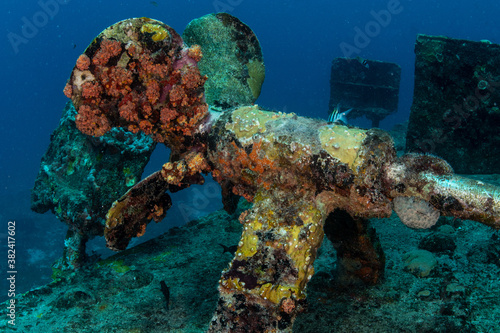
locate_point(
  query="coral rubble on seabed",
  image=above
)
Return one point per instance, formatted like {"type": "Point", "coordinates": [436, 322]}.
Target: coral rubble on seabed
{"type": "Point", "coordinates": [122, 294]}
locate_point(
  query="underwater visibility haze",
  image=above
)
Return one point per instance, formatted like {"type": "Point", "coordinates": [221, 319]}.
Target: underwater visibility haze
{"type": "Point", "coordinates": [249, 131]}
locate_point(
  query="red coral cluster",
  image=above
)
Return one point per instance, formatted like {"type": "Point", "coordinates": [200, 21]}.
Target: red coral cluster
{"type": "Point", "coordinates": [68, 90]}
{"type": "Point", "coordinates": [167, 115]}
{"type": "Point", "coordinates": [91, 121]}
{"type": "Point", "coordinates": [132, 81]}
{"type": "Point", "coordinates": [91, 90]}
{"type": "Point", "coordinates": [83, 62]}
{"type": "Point", "coordinates": [128, 112]}
{"type": "Point", "coordinates": [109, 48]}
{"type": "Point", "coordinates": [115, 80]}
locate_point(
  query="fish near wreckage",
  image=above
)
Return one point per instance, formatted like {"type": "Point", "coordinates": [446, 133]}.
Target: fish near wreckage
{"type": "Point", "coordinates": [295, 170]}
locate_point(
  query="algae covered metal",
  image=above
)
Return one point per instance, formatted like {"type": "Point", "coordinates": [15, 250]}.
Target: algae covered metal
{"type": "Point", "coordinates": [80, 176]}
{"type": "Point", "coordinates": [296, 171]}
{"type": "Point", "coordinates": [232, 59]}
{"type": "Point", "coordinates": [456, 103]}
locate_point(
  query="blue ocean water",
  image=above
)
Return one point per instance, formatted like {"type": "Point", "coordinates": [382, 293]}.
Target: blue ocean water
{"type": "Point", "coordinates": [42, 39]}
{"type": "Point", "coordinates": [299, 39]}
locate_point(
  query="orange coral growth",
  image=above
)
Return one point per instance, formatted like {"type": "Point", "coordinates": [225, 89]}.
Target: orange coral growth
{"type": "Point", "coordinates": [259, 164]}
{"type": "Point", "coordinates": [253, 161]}
{"type": "Point", "coordinates": [83, 62]}
{"type": "Point", "coordinates": [157, 214]}
{"type": "Point", "coordinates": [288, 305]}
{"type": "Point", "coordinates": [148, 68]}
{"type": "Point", "coordinates": [167, 114]}
{"type": "Point", "coordinates": [109, 48]}
{"type": "Point", "coordinates": [196, 163]}
{"type": "Point", "coordinates": [68, 90]}
{"type": "Point", "coordinates": [241, 190]}
{"type": "Point", "coordinates": [246, 168]}
{"type": "Point", "coordinates": [90, 122]}
{"type": "Point", "coordinates": [174, 172]}
{"type": "Point", "coordinates": [132, 66]}
{"type": "Point", "coordinates": [181, 120]}
{"type": "Point", "coordinates": [142, 230]}
{"type": "Point", "coordinates": [156, 88]}
{"type": "Point", "coordinates": [195, 53]}
{"type": "Point", "coordinates": [116, 81]}
{"type": "Point", "coordinates": [131, 50]}
{"type": "Point", "coordinates": [91, 90]}
{"type": "Point", "coordinates": [146, 127]}
{"type": "Point", "coordinates": [153, 91]}
{"type": "Point", "coordinates": [199, 112]}
{"type": "Point", "coordinates": [177, 95]}
{"type": "Point", "coordinates": [133, 128]}
{"type": "Point", "coordinates": [146, 111]}
{"type": "Point", "coordinates": [192, 164]}
{"type": "Point", "coordinates": [128, 112]}
{"type": "Point", "coordinates": [192, 78]}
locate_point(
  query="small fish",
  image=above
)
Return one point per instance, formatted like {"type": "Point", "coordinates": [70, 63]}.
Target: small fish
{"type": "Point", "coordinates": [229, 249]}
{"type": "Point", "coordinates": [338, 117]}
{"type": "Point", "coordinates": [363, 62]}
{"type": "Point", "coordinates": [154, 3]}
{"type": "Point", "coordinates": [166, 292]}
{"type": "Point", "coordinates": [74, 46]}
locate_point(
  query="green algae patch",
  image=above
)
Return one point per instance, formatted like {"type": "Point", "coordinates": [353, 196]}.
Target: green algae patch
{"type": "Point", "coordinates": [257, 74]}
{"type": "Point", "coordinates": [117, 265]}
{"type": "Point", "coordinates": [162, 256]}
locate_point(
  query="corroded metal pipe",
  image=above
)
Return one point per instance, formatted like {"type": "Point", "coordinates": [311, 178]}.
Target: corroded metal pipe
{"type": "Point", "coordinates": [465, 198]}
{"type": "Point", "coordinates": [297, 170]}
